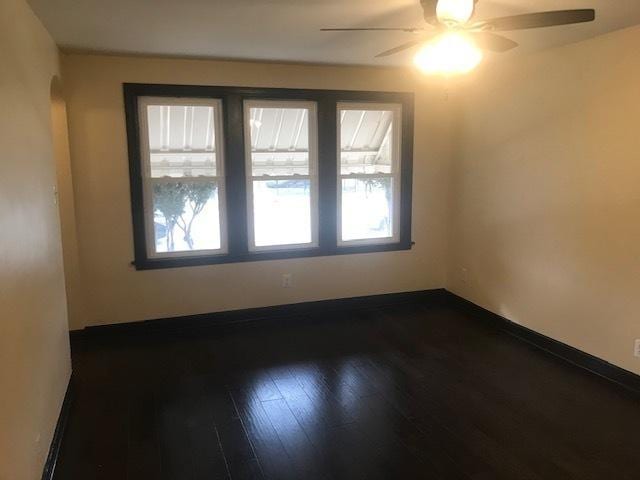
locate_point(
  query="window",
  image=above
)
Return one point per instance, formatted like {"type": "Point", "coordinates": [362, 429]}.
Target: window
{"type": "Point", "coordinates": [282, 157]}
{"type": "Point", "coordinates": [225, 174]}
{"type": "Point", "coordinates": [369, 173]}
{"type": "Point", "coordinates": [183, 176]}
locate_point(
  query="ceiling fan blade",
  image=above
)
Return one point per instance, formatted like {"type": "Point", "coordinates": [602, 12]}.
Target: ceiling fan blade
{"type": "Point", "coordinates": [400, 48]}
{"type": "Point", "coordinates": [540, 19]}
{"type": "Point", "coordinates": [492, 42]}
{"type": "Point", "coordinates": [373, 29]}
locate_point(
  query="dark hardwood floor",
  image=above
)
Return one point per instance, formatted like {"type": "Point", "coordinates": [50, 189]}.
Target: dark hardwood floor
{"type": "Point", "coordinates": [407, 391]}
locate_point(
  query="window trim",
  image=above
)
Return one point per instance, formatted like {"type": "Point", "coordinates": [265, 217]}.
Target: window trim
{"type": "Point", "coordinates": [232, 99]}
{"type": "Point", "coordinates": [395, 175]}
{"type": "Point", "coordinates": [312, 176]}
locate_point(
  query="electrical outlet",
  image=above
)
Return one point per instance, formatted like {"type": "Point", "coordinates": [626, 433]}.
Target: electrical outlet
{"type": "Point", "coordinates": [286, 280]}
{"type": "Point", "coordinates": [636, 350]}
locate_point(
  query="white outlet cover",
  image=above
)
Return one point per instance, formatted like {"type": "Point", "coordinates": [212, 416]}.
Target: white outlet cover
{"type": "Point", "coordinates": [636, 350]}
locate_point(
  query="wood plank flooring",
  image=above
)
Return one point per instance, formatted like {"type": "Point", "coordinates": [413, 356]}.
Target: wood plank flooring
{"type": "Point", "coordinates": [407, 391]}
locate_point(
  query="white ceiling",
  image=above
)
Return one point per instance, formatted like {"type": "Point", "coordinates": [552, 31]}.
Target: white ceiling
{"type": "Point", "coordinates": [289, 29]}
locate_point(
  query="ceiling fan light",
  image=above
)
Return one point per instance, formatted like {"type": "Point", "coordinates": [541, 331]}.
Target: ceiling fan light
{"type": "Point", "coordinates": [454, 11]}
{"type": "Point", "coordinates": [450, 54]}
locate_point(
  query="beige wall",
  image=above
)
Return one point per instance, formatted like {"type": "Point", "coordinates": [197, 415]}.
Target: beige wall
{"type": "Point", "coordinates": [34, 343]}
{"type": "Point", "coordinates": [115, 292]}
{"type": "Point", "coordinates": [539, 204]}
{"type": "Point", "coordinates": [546, 194]}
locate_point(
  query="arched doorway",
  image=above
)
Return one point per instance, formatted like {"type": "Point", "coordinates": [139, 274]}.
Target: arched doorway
{"type": "Point", "coordinates": [66, 203]}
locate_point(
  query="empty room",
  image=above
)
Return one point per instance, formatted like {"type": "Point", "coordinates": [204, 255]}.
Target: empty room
{"type": "Point", "coordinates": [320, 239]}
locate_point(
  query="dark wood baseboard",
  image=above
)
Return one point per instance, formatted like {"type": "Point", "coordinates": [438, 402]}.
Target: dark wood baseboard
{"type": "Point", "coordinates": [58, 434]}
{"type": "Point", "coordinates": [250, 315]}
{"type": "Point", "coordinates": [284, 313]}
{"type": "Point", "coordinates": [577, 357]}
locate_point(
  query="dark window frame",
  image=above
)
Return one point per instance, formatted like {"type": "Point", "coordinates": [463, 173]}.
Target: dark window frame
{"type": "Point", "coordinates": [234, 147]}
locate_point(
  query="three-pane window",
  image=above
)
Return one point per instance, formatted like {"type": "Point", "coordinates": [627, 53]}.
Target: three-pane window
{"type": "Point", "coordinates": [229, 174]}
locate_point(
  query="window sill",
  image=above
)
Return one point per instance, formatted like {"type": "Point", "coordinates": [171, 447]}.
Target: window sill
{"type": "Point", "coordinates": [193, 261]}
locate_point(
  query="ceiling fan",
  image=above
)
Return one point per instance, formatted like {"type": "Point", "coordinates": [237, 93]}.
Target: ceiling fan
{"type": "Point", "coordinates": [455, 16]}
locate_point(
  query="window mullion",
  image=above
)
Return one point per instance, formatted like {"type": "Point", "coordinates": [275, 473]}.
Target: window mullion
{"type": "Point", "coordinates": [236, 190]}
{"type": "Point", "coordinates": [327, 174]}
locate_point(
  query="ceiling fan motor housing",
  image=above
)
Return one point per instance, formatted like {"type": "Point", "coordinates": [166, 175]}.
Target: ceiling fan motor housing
{"type": "Point", "coordinates": [430, 12]}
